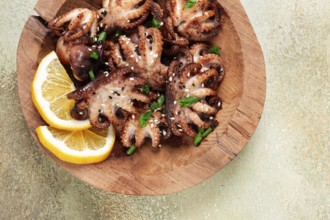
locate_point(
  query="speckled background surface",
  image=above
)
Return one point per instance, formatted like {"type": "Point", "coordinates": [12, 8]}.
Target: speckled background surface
{"type": "Point", "coordinates": [283, 173]}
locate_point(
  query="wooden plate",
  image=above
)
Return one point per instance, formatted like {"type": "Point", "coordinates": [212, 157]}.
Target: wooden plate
{"type": "Point", "coordinates": [178, 164]}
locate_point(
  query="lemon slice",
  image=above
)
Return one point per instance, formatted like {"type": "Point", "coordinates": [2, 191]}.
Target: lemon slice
{"type": "Point", "coordinates": [50, 86]}
{"type": "Point", "coordinates": [79, 147]}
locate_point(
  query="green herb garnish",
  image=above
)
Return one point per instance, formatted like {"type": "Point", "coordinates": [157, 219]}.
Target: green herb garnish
{"type": "Point", "coordinates": [91, 74]}
{"type": "Point", "coordinates": [94, 55]}
{"type": "Point", "coordinates": [190, 3]}
{"type": "Point", "coordinates": [201, 135]}
{"type": "Point", "coordinates": [161, 100]}
{"type": "Point", "coordinates": [102, 37]}
{"type": "Point", "coordinates": [145, 89]}
{"type": "Point", "coordinates": [157, 104]}
{"type": "Point", "coordinates": [131, 150]}
{"type": "Point", "coordinates": [154, 106]}
{"type": "Point", "coordinates": [144, 119]}
{"type": "Point", "coordinates": [155, 23]}
{"type": "Point", "coordinates": [186, 102]}
{"type": "Point", "coordinates": [215, 50]}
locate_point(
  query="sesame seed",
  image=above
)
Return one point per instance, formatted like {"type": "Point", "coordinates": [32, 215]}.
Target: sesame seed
{"type": "Point", "coordinates": [160, 145]}
{"type": "Point", "coordinates": [172, 118]}
{"type": "Point", "coordinates": [211, 118]}
{"type": "Point", "coordinates": [101, 24]}
{"type": "Point", "coordinates": [170, 79]}
{"type": "Point", "coordinates": [164, 132]}
{"type": "Point", "coordinates": [188, 74]}
{"type": "Point", "coordinates": [131, 78]}
{"type": "Point", "coordinates": [106, 63]}
{"type": "Point", "coordinates": [163, 115]}
{"type": "Point", "coordinates": [175, 102]}
{"type": "Point", "coordinates": [81, 113]}
{"type": "Point", "coordinates": [152, 125]}
{"type": "Point", "coordinates": [161, 23]}
{"type": "Point", "coordinates": [180, 129]}
{"type": "Point", "coordinates": [90, 49]}
{"type": "Point", "coordinates": [219, 103]}
{"type": "Point", "coordinates": [133, 116]}
{"type": "Point", "coordinates": [202, 85]}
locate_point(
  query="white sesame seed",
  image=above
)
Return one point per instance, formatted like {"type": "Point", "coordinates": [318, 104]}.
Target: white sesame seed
{"type": "Point", "coordinates": [106, 63]}
{"type": "Point", "coordinates": [81, 113]}
{"type": "Point", "coordinates": [152, 125]}
{"type": "Point", "coordinates": [133, 116]}
{"type": "Point", "coordinates": [175, 102]}
{"type": "Point", "coordinates": [164, 132]}
{"type": "Point", "coordinates": [180, 129]}
{"type": "Point", "coordinates": [172, 118]}
{"type": "Point", "coordinates": [170, 79]}
{"type": "Point", "coordinates": [90, 49]}
{"type": "Point", "coordinates": [163, 115]}
{"type": "Point", "coordinates": [202, 85]}
{"type": "Point", "coordinates": [160, 145]}
{"type": "Point", "coordinates": [131, 78]}
{"type": "Point", "coordinates": [101, 24]}
{"type": "Point", "coordinates": [211, 118]}
{"type": "Point", "coordinates": [219, 103]}
{"type": "Point", "coordinates": [188, 74]}
{"type": "Point", "coordinates": [161, 23]}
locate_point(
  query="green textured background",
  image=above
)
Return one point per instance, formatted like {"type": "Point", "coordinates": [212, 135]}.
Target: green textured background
{"type": "Point", "coordinates": [283, 173]}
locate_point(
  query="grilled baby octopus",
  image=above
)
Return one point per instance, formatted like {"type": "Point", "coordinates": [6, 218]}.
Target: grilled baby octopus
{"type": "Point", "coordinates": [81, 21]}
{"type": "Point", "coordinates": [110, 98]}
{"type": "Point", "coordinates": [198, 22]}
{"type": "Point", "coordinates": [132, 131]}
{"type": "Point", "coordinates": [124, 14]}
{"type": "Point", "coordinates": [74, 28]}
{"type": "Point", "coordinates": [142, 53]}
{"type": "Point", "coordinates": [199, 53]}
{"type": "Point", "coordinates": [186, 84]}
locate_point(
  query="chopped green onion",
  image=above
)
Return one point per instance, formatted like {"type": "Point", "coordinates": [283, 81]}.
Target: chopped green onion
{"type": "Point", "coordinates": [207, 132]}
{"type": "Point", "coordinates": [161, 100]}
{"type": "Point", "coordinates": [198, 139]}
{"type": "Point", "coordinates": [144, 119]}
{"type": "Point", "coordinates": [94, 55]}
{"type": "Point", "coordinates": [215, 50]}
{"type": "Point", "coordinates": [155, 23]}
{"type": "Point", "coordinates": [154, 106]}
{"type": "Point", "coordinates": [131, 150]}
{"type": "Point", "coordinates": [102, 37]}
{"type": "Point", "coordinates": [91, 74]}
{"type": "Point", "coordinates": [190, 3]}
{"type": "Point", "coordinates": [186, 102]}
{"type": "Point", "coordinates": [157, 104]}
{"type": "Point", "coordinates": [201, 135]}
{"type": "Point", "coordinates": [145, 89]}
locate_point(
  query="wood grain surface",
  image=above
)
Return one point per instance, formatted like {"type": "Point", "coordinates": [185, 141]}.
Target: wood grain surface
{"type": "Point", "coordinates": [178, 164]}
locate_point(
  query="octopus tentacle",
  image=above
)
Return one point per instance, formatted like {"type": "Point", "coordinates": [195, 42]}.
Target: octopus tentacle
{"type": "Point", "coordinates": [143, 56]}
{"type": "Point", "coordinates": [81, 19]}
{"type": "Point", "coordinates": [110, 98]}
{"type": "Point", "coordinates": [133, 132]}
{"type": "Point", "coordinates": [198, 23]}
{"type": "Point", "coordinates": [188, 81]}
{"type": "Point", "coordinates": [124, 14]}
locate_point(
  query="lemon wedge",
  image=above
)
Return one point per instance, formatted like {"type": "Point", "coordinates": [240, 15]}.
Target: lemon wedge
{"type": "Point", "coordinates": [50, 86]}
{"type": "Point", "coordinates": [78, 147]}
